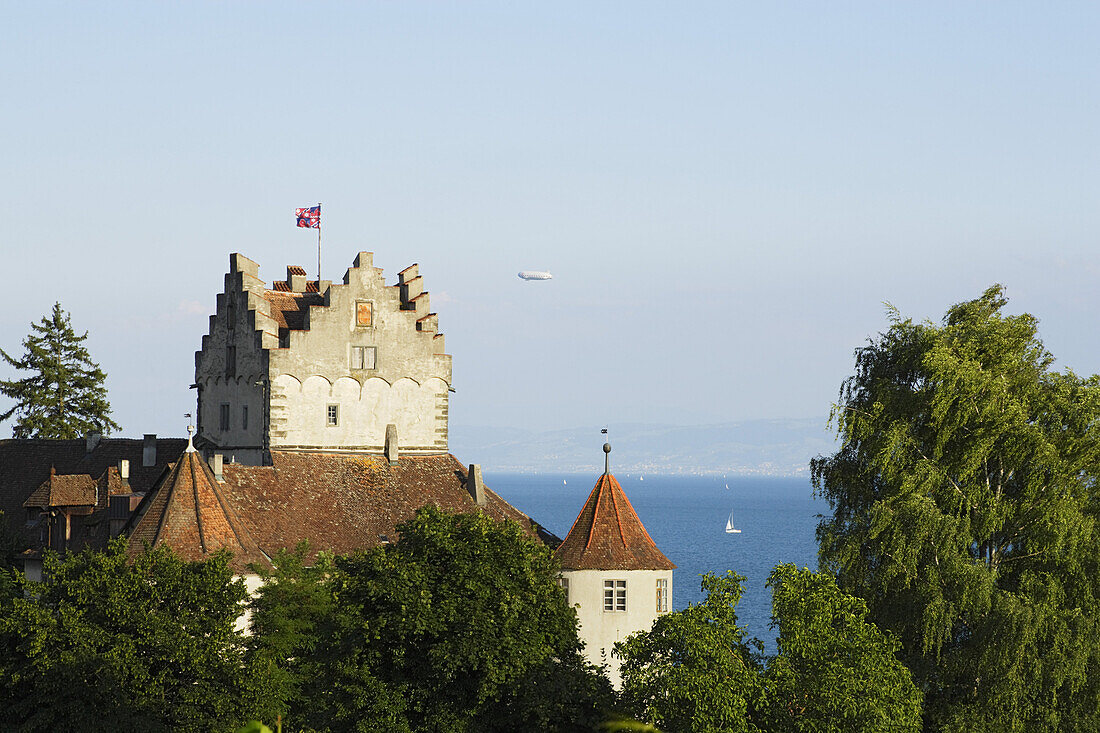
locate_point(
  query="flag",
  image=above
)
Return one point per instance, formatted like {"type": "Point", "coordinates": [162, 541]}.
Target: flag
{"type": "Point", "coordinates": [309, 217]}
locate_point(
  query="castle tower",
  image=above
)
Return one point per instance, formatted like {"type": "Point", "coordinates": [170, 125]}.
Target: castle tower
{"type": "Point", "coordinates": [312, 366]}
{"type": "Point", "coordinates": [612, 572]}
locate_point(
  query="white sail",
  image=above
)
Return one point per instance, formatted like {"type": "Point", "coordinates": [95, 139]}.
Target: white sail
{"type": "Point", "coordinates": [730, 529]}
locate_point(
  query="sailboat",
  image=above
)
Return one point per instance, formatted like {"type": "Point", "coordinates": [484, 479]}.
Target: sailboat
{"type": "Point", "coordinates": [730, 529]}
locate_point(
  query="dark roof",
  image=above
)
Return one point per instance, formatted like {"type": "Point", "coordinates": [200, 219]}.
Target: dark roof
{"type": "Point", "coordinates": [25, 465]}
{"type": "Point", "coordinates": [64, 490]}
{"type": "Point", "coordinates": [188, 512]}
{"type": "Point", "coordinates": [340, 502]}
{"type": "Point", "coordinates": [608, 535]}
{"type": "Point", "coordinates": [289, 309]}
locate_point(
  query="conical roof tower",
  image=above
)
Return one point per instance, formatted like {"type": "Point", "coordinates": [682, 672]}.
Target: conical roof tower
{"type": "Point", "coordinates": [188, 512]}
{"type": "Point", "coordinates": [607, 534]}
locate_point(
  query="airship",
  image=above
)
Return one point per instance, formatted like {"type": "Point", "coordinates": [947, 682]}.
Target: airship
{"type": "Point", "coordinates": [535, 275]}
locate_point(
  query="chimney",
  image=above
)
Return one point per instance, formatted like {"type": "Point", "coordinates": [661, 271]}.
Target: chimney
{"type": "Point", "coordinates": [91, 441]}
{"type": "Point", "coordinates": [475, 484]}
{"type": "Point", "coordinates": [149, 450]}
{"type": "Point", "coordinates": [216, 462]}
{"type": "Point", "coordinates": [124, 472]}
{"type": "Point", "coordinates": [296, 278]}
{"type": "Point", "coordinates": [391, 444]}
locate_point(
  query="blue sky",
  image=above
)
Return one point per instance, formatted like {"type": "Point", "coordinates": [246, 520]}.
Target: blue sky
{"type": "Point", "coordinates": [725, 193]}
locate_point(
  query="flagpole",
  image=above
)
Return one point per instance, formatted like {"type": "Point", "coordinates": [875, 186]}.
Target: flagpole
{"type": "Point", "coordinates": [318, 246]}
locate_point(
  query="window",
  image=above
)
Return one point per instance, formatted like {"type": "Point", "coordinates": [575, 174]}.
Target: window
{"type": "Point", "coordinates": [230, 360]}
{"type": "Point", "coordinates": [614, 595]}
{"type": "Point", "coordinates": [363, 357]}
{"type": "Point", "coordinates": [231, 313]}
{"type": "Point", "coordinates": [564, 583]}
{"type": "Point", "coordinates": [364, 313]}
{"type": "Point", "coordinates": [223, 416]}
{"type": "Point", "coordinates": [662, 595]}
{"type": "Point", "coordinates": [244, 417]}
{"type": "Point", "coordinates": [333, 416]}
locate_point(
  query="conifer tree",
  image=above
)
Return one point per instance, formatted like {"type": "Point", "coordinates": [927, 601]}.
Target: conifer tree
{"type": "Point", "coordinates": [64, 397]}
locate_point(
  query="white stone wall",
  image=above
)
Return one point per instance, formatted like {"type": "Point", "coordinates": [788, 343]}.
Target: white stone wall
{"type": "Point", "coordinates": [408, 387]}
{"type": "Point", "coordinates": [600, 629]}
{"type": "Point", "coordinates": [364, 410]}
{"type": "Point", "coordinates": [287, 382]}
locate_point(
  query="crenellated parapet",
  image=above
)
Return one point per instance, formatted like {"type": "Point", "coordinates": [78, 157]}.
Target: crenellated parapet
{"type": "Point", "coordinates": [312, 365]}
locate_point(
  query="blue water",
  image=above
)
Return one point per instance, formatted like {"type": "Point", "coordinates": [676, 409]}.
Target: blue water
{"type": "Point", "coordinates": [686, 517]}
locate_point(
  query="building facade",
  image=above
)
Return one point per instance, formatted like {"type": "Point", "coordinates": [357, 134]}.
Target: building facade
{"type": "Point", "coordinates": [315, 366]}
{"type": "Point", "coordinates": [612, 572]}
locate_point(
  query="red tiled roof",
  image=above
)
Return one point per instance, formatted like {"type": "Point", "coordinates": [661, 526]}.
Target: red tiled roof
{"type": "Point", "coordinates": [346, 502]}
{"type": "Point", "coordinates": [295, 270]}
{"type": "Point", "coordinates": [64, 490]}
{"type": "Point", "coordinates": [340, 502]}
{"type": "Point", "coordinates": [609, 536]}
{"type": "Point", "coordinates": [289, 309]}
{"type": "Point", "coordinates": [188, 512]}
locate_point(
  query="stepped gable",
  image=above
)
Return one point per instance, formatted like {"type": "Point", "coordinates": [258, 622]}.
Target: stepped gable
{"type": "Point", "coordinates": [188, 512]}
{"type": "Point", "coordinates": [344, 502]}
{"type": "Point", "coordinates": [608, 535]}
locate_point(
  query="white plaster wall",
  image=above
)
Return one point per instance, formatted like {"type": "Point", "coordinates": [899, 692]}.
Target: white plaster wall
{"type": "Point", "coordinates": [252, 583]}
{"type": "Point", "coordinates": [600, 629]}
{"type": "Point", "coordinates": [300, 410]}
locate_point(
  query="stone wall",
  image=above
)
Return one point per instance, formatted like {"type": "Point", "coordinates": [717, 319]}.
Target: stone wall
{"type": "Point", "coordinates": [357, 357]}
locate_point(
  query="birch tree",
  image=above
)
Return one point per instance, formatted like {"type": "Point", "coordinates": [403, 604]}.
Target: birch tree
{"type": "Point", "coordinates": [964, 504]}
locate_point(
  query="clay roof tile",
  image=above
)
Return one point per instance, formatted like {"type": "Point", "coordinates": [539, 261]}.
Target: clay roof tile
{"type": "Point", "coordinates": [607, 535]}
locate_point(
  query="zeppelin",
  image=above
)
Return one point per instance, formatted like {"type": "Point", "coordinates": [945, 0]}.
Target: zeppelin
{"type": "Point", "coordinates": [535, 275]}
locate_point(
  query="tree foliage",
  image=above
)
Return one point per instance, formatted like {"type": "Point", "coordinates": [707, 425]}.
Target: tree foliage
{"type": "Point", "coordinates": [964, 505]}
{"type": "Point", "coordinates": [458, 626]}
{"type": "Point", "coordinates": [695, 670]}
{"type": "Point", "coordinates": [834, 670]}
{"type": "Point", "coordinates": [104, 644]}
{"type": "Point", "coordinates": [295, 599]}
{"type": "Point", "coordinates": [64, 397]}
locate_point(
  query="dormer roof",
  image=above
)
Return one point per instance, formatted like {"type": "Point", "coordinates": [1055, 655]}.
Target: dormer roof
{"type": "Point", "coordinates": [63, 490]}
{"type": "Point", "coordinates": [188, 512]}
{"type": "Point", "coordinates": [608, 535]}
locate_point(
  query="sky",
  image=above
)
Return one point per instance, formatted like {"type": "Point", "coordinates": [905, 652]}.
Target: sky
{"type": "Point", "coordinates": [726, 193]}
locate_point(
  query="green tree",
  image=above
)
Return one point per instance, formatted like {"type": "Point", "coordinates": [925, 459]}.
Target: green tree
{"type": "Point", "coordinates": [107, 644]}
{"type": "Point", "coordinates": [834, 670]}
{"type": "Point", "coordinates": [964, 505]}
{"type": "Point", "coordinates": [458, 626]}
{"type": "Point", "coordinates": [695, 670]}
{"type": "Point", "coordinates": [295, 598]}
{"type": "Point", "coordinates": [64, 397]}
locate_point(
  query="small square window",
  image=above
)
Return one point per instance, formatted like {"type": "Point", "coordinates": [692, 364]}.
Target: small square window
{"type": "Point", "coordinates": [364, 357]}
{"type": "Point", "coordinates": [662, 595]}
{"type": "Point", "coordinates": [364, 313]}
{"type": "Point", "coordinates": [223, 416]}
{"type": "Point", "coordinates": [614, 595]}
{"type": "Point", "coordinates": [333, 415]}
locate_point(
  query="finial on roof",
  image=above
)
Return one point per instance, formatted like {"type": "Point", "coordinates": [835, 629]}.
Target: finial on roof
{"type": "Point", "coordinates": [190, 431]}
{"type": "Point", "coordinates": [607, 458]}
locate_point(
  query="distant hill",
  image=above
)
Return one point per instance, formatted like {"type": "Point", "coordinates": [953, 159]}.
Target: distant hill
{"type": "Point", "coordinates": [749, 447]}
